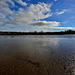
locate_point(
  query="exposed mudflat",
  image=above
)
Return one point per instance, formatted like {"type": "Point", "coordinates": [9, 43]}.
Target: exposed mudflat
{"type": "Point", "coordinates": [37, 55]}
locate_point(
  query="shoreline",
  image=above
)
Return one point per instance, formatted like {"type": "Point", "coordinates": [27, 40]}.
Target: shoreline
{"type": "Point", "coordinates": [68, 32]}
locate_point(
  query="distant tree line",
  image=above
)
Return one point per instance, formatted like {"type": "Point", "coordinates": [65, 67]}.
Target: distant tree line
{"type": "Point", "coordinates": [38, 33]}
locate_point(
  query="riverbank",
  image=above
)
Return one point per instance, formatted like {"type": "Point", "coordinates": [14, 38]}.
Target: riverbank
{"type": "Point", "coordinates": [38, 33]}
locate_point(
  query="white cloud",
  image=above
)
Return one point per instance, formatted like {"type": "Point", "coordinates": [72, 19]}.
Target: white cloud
{"type": "Point", "coordinates": [62, 12]}
{"type": "Point", "coordinates": [21, 2]}
{"type": "Point", "coordinates": [29, 17]}
{"type": "Point", "coordinates": [5, 3]}
{"type": "Point", "coordinates": [4, 7]}
{"type": "Point", "coordinates": [57, 27]}
{"type": "Point", "coordinates": [11, 2]}
{"type": "Point", "coordinates": [33, 12]}
{"type": "Point", "coordinates": [1, 15]}
{"type": "Point", "coordinates": [6, 11]}
{"type": "Point", "coordinates": [45, 23]}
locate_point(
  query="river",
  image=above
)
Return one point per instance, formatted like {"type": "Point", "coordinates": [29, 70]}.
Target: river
{"type": "Point", "coordinates": [37, 55]}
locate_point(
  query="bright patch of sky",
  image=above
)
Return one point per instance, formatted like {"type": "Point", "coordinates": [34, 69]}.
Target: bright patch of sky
{"type": "Point", "coordinates": [37, 15]}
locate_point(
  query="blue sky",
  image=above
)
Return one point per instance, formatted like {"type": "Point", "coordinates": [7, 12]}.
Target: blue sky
{"type": "Point", "coordinates": [37, 15]}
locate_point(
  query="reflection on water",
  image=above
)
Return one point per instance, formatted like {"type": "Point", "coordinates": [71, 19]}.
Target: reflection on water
{"type": "Point", "coordinates": [37, 55]}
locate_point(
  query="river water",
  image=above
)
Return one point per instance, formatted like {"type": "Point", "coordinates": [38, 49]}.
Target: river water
{"type": "Point", "coordinates": [37, 55]}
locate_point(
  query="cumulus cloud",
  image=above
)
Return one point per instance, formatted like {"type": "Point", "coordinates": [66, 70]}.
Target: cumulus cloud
{"type": "Point", "coordinates": [45, 23]}
{"type": "Point", "coordinates": [5, 3]}
{"type": "Point", "coordinates": [33, 12]}
{"type": "Point", "coordinates": [49, 25]}
{"type": "Point", "coordinates": [62, 12]}
{"type": "Point", "coordinates": [21, 2]}
{"type": "Point", "coordinates": [4, 7]}
{"type": "Point", "coordinates": [6, 11]}
{"type": "Point", "coordinates": [29, 17]}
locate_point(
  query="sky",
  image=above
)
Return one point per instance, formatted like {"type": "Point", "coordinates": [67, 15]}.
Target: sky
{"type": "Point", "coordinates": [37, 15]}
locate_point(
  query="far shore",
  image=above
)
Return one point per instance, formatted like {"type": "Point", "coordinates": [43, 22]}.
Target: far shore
{"type": "Point", "coordinates": [38, 33]}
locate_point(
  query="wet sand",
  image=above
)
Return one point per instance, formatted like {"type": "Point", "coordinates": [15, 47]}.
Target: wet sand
{"type": "Point", "coordinates": [37, 55]}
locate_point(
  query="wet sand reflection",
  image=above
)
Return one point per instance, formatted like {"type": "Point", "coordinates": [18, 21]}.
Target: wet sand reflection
{"type": "Point", "coordinates": [37, 55]}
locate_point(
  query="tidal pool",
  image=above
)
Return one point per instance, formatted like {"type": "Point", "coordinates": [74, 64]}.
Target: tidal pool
{"type": "Point", "coordinates": [37, 55]}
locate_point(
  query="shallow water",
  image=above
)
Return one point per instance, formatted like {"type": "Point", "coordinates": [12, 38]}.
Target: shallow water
{"type": "Point", "coordinates": [37, 55]}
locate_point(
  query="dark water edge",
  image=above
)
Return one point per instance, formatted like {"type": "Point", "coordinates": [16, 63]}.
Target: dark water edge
{"type": "Point", "coordinates": [38, 33]}
{"type": "Point", "coordinates": [37, 55]}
